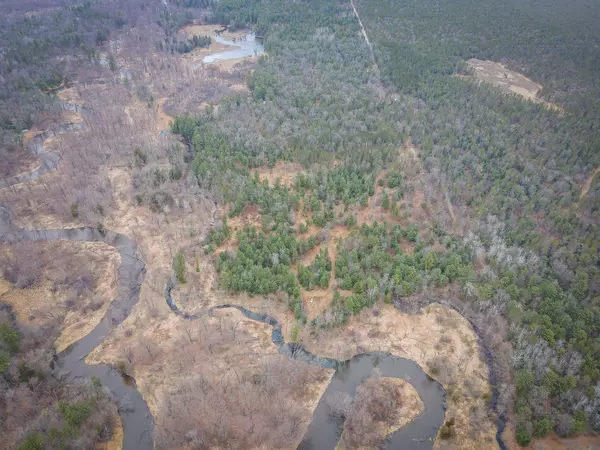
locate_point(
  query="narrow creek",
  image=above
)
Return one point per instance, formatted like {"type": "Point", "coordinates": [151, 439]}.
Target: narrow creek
{"type": "Point", "coordinates": [135, 415]}
{"type": "Point", "coordinates": [48, 160]}
{"type": "Point", "coordinates": [325, 430]}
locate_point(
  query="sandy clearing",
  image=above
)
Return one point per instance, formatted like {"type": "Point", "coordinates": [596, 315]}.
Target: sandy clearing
{"type": "Point", "coordinates": [163, 120]}
{"type": "Point", "coordinates": [285, 171]}
{"type": "Point", "coordinates": [508, 80]}
{"type": "Point", "coordinates": [588, 184]}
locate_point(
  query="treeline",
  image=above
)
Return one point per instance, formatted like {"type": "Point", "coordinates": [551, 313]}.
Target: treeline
{"type": "Point", "coordinates": [173, 45]}
{"type": "Point", "coordinates": [372, 264]}
{"type": "Point", "coordinates": [315, 100]}
{"type": "Point", "coordinates": [316, 275]}
{"type": "Point", "coordinates": [261, 264]}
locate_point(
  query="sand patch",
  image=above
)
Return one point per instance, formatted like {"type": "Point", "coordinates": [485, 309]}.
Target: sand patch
{"type": "Point", "coordinates": [508, 80]}
{"type": "Point", "coordinates": [588, 184]}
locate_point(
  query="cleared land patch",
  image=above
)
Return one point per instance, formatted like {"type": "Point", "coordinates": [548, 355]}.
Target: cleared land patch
{"type": "Point", "coordinates": [508, 80]}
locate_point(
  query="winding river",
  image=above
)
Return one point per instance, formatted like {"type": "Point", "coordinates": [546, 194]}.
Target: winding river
{"type": "Point", "coordinates": [324, 430]}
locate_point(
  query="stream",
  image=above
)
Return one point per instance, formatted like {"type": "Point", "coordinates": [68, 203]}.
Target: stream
{"type": "Point", "coordinates": [136, 418]}
{"type": "Point", "coordinates": [48, 160]}
{"type": "Point", "coordinates": [324, 430]}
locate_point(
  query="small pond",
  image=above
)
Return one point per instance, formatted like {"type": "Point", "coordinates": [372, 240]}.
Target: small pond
{"type": "Point", "coordinates": [243, 47]}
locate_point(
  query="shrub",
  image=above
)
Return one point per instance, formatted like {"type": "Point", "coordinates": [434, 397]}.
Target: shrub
{"type": "Point", "coordinates": [179, 266]}
{"type": "Point", "coordinates": [34, 441]}
{"type": "Point", "coordinates": [10, 338]}
{"type": "Point", "coordinates": [445, 432]}
{"type": "Point", "coordinates": [542, 427]}
{"type": "Point", "coordinates": [76, 413]}
{"type": "Point", "coordinates": [523, 435]}
{"type": "Point", "coordinates": [121, 367]}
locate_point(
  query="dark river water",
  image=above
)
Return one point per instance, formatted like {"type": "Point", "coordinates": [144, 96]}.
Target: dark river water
{"type": "Point", "coordinates": [325, 430]}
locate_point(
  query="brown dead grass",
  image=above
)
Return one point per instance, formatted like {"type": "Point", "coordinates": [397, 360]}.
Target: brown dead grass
{"type": "Point", "coordinates": [178, 348]}
{"type": "Point", "coordinates": [285, 171]}
{"type": "Point", "coordinates": [163, 120]}
{"type": "Point", "coordinates": [46, 303]}
{"type": "Point", "coordinates": [231, 65]}
{"type": "Point", "coordinates": [317, 301]}
{"type": "Point", "coordinates": [411, 407]}
{"type": "Point", "coordinates": [48, 121]}
{"type": "Point", "coordinates": [588, 184]}
{"type": "Point", "coordinates": [116, 441]}
{"type": "Point", "coordinates": [209, 30]}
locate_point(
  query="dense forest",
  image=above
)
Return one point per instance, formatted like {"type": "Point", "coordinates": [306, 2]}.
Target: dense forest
{"type": "Point", "coordinates": [514, 168]}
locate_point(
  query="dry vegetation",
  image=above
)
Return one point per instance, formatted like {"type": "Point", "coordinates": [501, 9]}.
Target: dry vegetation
{"type": "Point", "coordinates": [185, 368]}
{"type": "Point", "coordinates": [442, 343]}
{"type": "Point", "coordinates": [59, 284]}
{"type": "Point", "coordinates": [381, 406]}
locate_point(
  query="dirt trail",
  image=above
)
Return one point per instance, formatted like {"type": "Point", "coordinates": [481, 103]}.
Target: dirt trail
{"type": "Point", "coordinates": [449, 204]}
{"type": "Point", "coordinates": [588, 184]}
{"type": "Point", "coordinates": [364, 33]}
